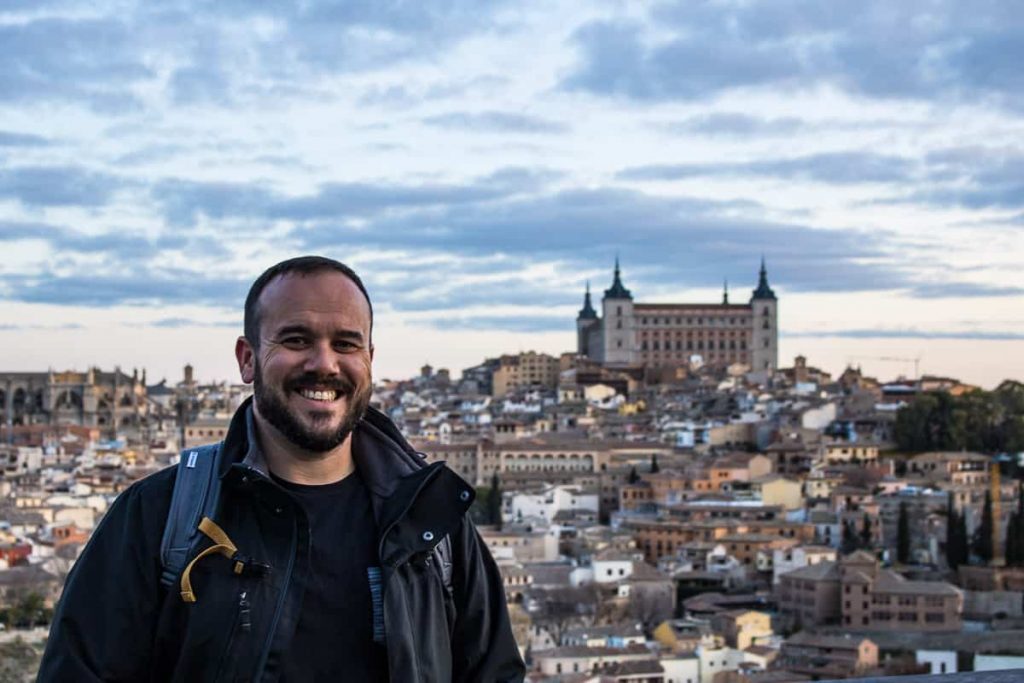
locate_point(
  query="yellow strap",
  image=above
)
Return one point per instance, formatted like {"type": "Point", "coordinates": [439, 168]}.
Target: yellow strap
{"type": "Point", "coordinates": [224, 546]}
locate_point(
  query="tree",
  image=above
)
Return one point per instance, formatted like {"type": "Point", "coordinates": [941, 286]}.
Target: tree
{"type": "Point", "coordinates": [903, 535]}
{"type": "Point", "coordinates": [982, 545]}
{"type": "Point", "coordinates": [654, 464]}
{"type": "Point", "coordinates": [1015, 532]}
{"type": "Point", "coordinates": [866, 537]}
{"type": "Point", "coordinates": [848, 544]}
{"type": "Point", "coordinates": [633, 476]}
{"type": "Point", "coordinates": [956, 535]}
{"type": "Point", "coordinates": [985, 421]}
{"type": "Point", "coordinates": [650, 605]}
{"type": "Point", "coordinates": [494, 502]}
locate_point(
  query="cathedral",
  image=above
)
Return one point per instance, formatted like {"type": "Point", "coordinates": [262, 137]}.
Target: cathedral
{"type": "Point", "coordinates": [629, 334]}
{"type": "Point", "coordinates": [111, 401]}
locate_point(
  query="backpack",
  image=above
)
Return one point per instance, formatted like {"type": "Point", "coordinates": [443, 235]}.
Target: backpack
{"type": "Point", "coordinates": [195, 496]}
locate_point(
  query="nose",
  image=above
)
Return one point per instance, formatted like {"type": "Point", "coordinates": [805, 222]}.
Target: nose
{"type": "Point", "coordinates": [321, 359]}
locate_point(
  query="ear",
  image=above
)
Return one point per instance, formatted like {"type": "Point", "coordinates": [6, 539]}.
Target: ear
{"type": "Point", "coordinates": [371, 352]}
{"type": "Point", "coordinates": [246, 357]}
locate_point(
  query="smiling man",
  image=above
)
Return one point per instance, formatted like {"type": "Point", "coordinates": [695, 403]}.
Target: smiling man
{"type": "Point", "coordinates": [332, 551]}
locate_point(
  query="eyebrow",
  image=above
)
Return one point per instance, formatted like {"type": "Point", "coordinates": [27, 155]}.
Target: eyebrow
{"type": "Point", "coordinates": [302, 329]}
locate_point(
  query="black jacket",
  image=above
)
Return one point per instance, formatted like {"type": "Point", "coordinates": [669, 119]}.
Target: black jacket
{"type": "Point", "coordinates": [116, 622]}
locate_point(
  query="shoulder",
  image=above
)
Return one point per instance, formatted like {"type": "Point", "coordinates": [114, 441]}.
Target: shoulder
{"type": "Point", "coordinates": [144, 503]}
{"type": "Point", "coordinates": [153, 488]}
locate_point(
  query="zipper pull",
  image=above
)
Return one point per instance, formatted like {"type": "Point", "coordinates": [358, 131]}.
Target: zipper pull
{"type": "Point", "coordinates": [244, 613]}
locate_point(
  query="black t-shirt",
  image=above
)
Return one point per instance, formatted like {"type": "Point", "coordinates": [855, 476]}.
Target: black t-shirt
{"type": "Point", "coordinates": [334, 637]}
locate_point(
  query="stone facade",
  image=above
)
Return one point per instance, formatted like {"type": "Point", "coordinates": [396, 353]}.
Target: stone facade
{"type": "Point", "coordinates": [631, 334]}
{"type": "Point", "coordinates": [111, 401]}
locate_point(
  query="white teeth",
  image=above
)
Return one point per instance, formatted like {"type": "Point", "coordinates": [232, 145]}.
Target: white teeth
{"type": "Point", "coordinates": [319, 395]}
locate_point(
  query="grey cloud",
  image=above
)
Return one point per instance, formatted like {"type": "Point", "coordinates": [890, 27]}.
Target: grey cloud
{"type": "Point", "coordinates": [100, 61]}
{"type": "Point", "coordinates": [975, 178]}
{"type": "Point", "coordinates": [736, 124]}
{"type": "Point", "coordinates": [839, 168]}
{"type": "Point", "coordinates": [501, 323]}
{"type": "Point", "coordinates": [909, 334]}
{"type": "Point", "coordinates": [668, 241]}
{"type": "Point", "coordinates": [8, 327]}
{"type": "Point", "coordinates": [19, 230]}
{"type": "Point", "coordinates": [946, 51]}
{"type": "Point", "coordinates": [88, 60]}
{"type": "Point", "coordinates": [177, 323]}
{"type": "Point", "coordinates": [944, 290]}
{"type": "Point", "coordinates": [159, 286]}
{"type": "Point", "coordinates": [10, 139]}
{"type": "Point", "coordinates": [184, 201]}
{"type": "Point", "coordinates": [496, 122]}
{"type": "Point", "coordinates": [57, 185]}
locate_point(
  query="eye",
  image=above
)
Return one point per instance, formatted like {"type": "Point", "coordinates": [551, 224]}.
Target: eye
{"type": "Point", "coordinates": [294, 342]}
{"type": "Point", "coordinates": [345, 345]}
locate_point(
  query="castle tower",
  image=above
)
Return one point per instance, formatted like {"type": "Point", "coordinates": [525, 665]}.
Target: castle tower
{"type": "Point", "coordinates": [585, 322]}
{"type": "Point", "coordinates": [617, 309]}
{"type": "Point", "coordinates": [765, 338]}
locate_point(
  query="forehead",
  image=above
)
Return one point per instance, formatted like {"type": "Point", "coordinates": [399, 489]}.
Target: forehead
{"type": "Point", "coordinates": [325, 298]}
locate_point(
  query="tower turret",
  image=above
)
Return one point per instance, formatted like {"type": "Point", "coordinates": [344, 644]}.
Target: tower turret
{"type": "Point", "coordinates": [763, 291]}
{"type": "Point", "coordinates": [617, 291]}
{"type": "Point", "coordinates": [617, 305]}
{"type": "Point", "coordinates": [586, 323]}
{"type": "Point", "coordinates": [765, 335]}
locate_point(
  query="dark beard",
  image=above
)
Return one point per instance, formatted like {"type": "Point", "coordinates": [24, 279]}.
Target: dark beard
{"type": "Point", "coordinates": [271, 406]}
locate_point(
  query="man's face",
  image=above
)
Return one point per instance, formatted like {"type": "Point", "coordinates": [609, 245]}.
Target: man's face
{"type": "Point", "coordinates": [311, 372]}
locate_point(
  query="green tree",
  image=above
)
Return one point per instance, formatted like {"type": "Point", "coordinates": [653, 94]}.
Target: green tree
{"type": "Point", "coordinates": [1015, 532]}
{"type": "Point", "coordinates": [982, 545]}
{"type": "Point", "coordinates": [903, 535]}
{"type": "Point", "coordinates": [956, 535]}
{"type": "Point", "coordinates": [866, 537]}
{"type": "Point", "coordinates": [654, 464]}
{"type": "Point", "coordinates": [633, 476]}
{"type": "Point", "coordinates": [985, 421]}
{"type": "Point", "coordinates": [848, 543]}
{"type": "Point", "coordinates": [494, 503]}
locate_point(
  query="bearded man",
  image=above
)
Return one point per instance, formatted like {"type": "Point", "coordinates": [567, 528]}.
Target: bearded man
{"type": "Point", "coordinates": [322, 562]}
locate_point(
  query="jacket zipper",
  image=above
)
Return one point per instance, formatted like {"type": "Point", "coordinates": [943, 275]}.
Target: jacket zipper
{"type": "Point", "coordinates": [279, 609]}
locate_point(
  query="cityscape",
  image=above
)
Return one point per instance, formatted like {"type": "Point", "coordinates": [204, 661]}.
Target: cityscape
{"type": "Point", "coordinates": [668, 502]}
{"type": "Point", "coordinates": [715, 305]}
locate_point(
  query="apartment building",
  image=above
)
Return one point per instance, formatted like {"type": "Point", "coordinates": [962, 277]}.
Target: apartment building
{"type": "Point", "coordinates": [859, 595]}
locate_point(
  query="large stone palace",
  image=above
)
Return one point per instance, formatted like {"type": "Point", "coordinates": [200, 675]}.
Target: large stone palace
{"type": "Point", "coordinates": [629, 334]}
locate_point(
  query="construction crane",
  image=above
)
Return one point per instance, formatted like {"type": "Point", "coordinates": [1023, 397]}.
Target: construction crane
{"type": "Point", "coordinates": [892, 359]}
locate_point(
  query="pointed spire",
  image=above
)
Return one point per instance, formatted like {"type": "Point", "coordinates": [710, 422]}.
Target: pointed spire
{"type": "Point", "coordinates": [587, 312]}
{"type": "Point", "coordinates": [725, 291]}
{"type": "Point", "coordinates": [617, 290]}
{"type": "Point", "coordinates": [763, 291]}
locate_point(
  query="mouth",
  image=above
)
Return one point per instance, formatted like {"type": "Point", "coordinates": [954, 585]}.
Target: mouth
{"type": "Point", "coordinates": [318, 395]}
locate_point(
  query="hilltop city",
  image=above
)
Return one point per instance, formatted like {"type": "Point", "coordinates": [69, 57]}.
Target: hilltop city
{"type": "Point", "coordinates": [667, 503]}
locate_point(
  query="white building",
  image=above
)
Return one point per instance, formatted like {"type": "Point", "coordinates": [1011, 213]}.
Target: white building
{"type": "Point", "coordinates": [939, 661]}
{"type": "Point", "coordinates": [787, 559]}
{"type": "Point", "coordinates": [547, 502]}
{"type": "Point", "coordinates": [681, 669]}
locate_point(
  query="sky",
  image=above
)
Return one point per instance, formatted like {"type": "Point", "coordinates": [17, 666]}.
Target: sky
{"type": "Point", "coordinates": [477, 162]}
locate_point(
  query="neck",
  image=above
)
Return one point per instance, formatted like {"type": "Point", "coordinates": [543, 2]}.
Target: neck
{"type": "Point", "coordinates": [299, 466]}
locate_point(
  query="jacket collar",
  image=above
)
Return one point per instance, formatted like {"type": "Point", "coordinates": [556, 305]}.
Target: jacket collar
{"type": "Point", "coordinates": [380, 452]}
{"type": "Point", "coordinates": [431, 498]}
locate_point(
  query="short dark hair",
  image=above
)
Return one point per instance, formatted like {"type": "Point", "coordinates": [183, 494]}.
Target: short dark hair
{"type": "Point", "coordinates": [301, 265]}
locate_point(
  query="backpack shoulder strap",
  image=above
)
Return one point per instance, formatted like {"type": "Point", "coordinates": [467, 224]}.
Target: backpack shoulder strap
{"type": "Point", "coordinates": [195, 495]}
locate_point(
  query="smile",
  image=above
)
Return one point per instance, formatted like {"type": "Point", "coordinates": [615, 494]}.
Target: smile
{"type": "Point", "coordinates": [319, 395]}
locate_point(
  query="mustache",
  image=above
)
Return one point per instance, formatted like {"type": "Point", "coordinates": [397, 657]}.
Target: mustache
{"type": "Point", "coordinates": [311, 380]}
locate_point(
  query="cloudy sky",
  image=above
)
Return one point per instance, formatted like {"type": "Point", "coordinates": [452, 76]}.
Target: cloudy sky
{"type": "Point", "coordinates": [479, 161]}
